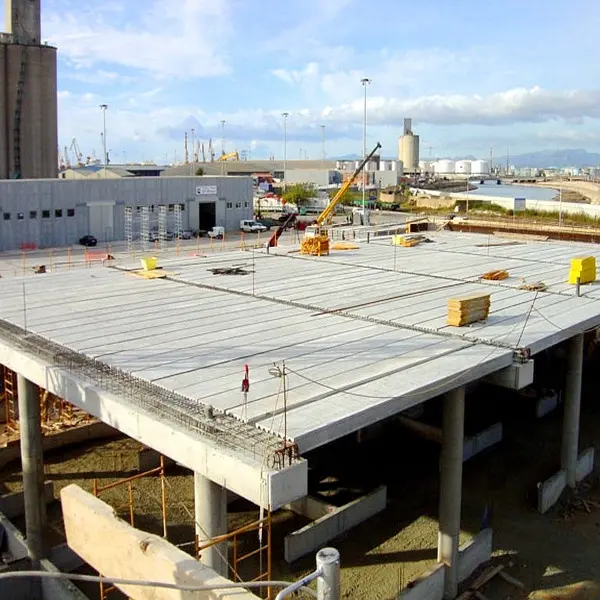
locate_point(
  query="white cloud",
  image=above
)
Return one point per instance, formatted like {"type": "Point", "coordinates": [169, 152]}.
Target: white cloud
{"type": "Point", "coordinates": [182, 39]}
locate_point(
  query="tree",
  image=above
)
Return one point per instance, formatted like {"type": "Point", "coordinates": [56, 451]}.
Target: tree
{"type": "Point", "coordinates": [199, 171]}
{"type": "Point", "coordinates": [299, 193]}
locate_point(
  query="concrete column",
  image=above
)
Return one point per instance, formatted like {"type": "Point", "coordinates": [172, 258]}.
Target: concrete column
{"type": "Point", "coordinates": [451, 464]}
{"type": "Point", "coordinates": [572, 406]}
{"type": "Point", "coordinates": [210, 508]}
{"type": "Point", "coordinates": [32, 459]}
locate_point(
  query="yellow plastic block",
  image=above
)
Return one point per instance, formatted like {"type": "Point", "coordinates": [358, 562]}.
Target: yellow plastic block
{"type": "Point", "coordinates": [149, 263]}
{"type": "Point", "coordinates": [582, 263]}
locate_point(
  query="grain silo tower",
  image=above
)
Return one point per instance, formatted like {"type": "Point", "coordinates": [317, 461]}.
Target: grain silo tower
{"type": "Point", "coordinates": [28, 102]}
{"type": "Point", "coordinates": [408, 149]}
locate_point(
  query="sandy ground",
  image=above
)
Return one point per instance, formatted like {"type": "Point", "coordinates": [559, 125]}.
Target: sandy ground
{"type": "Point", "coordinates": [585, 188]}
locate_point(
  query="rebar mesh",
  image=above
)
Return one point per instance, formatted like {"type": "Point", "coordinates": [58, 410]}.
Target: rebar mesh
{"type": "Point", "coordinates": [168, 405]}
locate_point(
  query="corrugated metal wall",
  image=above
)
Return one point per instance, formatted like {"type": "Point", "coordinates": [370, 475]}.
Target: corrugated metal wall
{"type": "Point", "coordinates": [52, 213]}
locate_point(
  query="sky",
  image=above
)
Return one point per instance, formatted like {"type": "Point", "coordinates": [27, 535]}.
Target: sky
{"type": "Point", "coordinates": [472, 75]}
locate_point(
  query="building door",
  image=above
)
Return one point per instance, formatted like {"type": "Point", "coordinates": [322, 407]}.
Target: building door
{"type": "Point", "coordinates": [101, 221]}
{"type": "Point", "coordinates": [207, 215]}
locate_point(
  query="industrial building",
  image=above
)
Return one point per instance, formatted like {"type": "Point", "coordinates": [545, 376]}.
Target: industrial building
{"type": "Point", "coordinates": [115, 171]}
{"type": "Point", "coordinates": [361, 337]}
{"type": "Point", "coordinates": [49, 213]}
{"type": "Point", "coordinates": [28, 102]}
{"type": "Point", "coordinates": [408, 149]}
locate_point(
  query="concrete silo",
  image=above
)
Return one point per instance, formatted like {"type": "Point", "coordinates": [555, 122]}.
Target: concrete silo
{"type": "Point", "coordinates": [28, 104]}
{"type": "Point", "coordinates": [408, 149]}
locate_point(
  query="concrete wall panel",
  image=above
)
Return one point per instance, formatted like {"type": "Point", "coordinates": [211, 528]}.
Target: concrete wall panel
{"type": "Point", "coordinates": [430, 586]}
{"type": "Point", "coordinates": [3, 114]}
{"type": "Point", "coordinates": [474, 553]}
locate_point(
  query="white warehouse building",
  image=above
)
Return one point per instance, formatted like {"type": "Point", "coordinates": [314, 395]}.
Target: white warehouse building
{"type": "Point", "coordinates": [47, 213]}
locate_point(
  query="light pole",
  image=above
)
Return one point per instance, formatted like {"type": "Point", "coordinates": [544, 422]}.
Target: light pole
{"type": "Point", "coordinates": [365, 83]}
{"type": "Point", "coordinates": [285, 115]}
{"type": "Point", "coordinates": [104, 108]}
{"type": "Point", "coordinates": [193, 152]}
{"type": "Point", "coordinates": [222, 147]}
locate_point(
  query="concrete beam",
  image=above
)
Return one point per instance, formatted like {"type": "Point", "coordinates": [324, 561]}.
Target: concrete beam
{"type": "Point", "coordinates": [515, 377]}
{"type": "Point", "coordinates": [471, 445]}
{"type": "Point", "coordinates": [246, 475]}
{"type": "Point", "coordinates": [58, 589]}
{"type": "Point", "coordinates": [333, 523]}
{"type": "Point", "coordinates": [111, 546]}
{"type": "Point", "coordinates": [474, 553]}
{"type": "Point", "coordinates": [430, 586]}
{"type": "Point", "coordinates": [550, 490]}
{"type": "Point", "coordinates": [14, 539]}
{"type": "Point", "coordinates": [12, 505]}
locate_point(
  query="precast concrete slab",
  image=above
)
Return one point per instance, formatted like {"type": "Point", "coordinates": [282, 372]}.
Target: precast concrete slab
{"type": "Point", "coordinates": [363, 335]}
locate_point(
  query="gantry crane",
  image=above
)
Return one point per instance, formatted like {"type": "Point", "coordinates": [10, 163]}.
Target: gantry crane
{"type": "Point", "coordinates": [78, 154]}
{"type": "Point", "coordinates": [316, 240]}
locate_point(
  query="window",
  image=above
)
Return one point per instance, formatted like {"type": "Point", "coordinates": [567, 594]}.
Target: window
{"type": "Point", "coordinates": [20, 216]}
{"type": "Point", "coordinates": [182, 207]}
{"type": "Point", "coordinates": [230, 205]}
{"type": "Point", "coordinates": [171, 207]}
{"type": "Point", "coordinates": [45, 214]}
{"type": "Point", "coordinates": [70, 212]}
{"type": "Point", "coordinates": [58, 213]}
{"type": "Point", "coordinates": [33, 214]}
{"type": "Point", "coordinates": [246, 204]}
{"type": "Point", "coordinates": [7, 216]}
{"type": "Point", "coordinates": [238, 205]}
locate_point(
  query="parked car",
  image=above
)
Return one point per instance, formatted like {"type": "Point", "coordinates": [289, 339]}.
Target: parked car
{"type": "Point", "coordinates": [268, 223]}
{"type": "Point", "coordinates": [186, 234]}
{"type": "Point", "coordinates": [88, 240]}
{"type": "Point", "coordinates": [251, 226]}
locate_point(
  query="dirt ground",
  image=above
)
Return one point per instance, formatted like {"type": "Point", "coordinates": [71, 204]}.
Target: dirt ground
{"type": "Point", "coordinates": [382, 555]}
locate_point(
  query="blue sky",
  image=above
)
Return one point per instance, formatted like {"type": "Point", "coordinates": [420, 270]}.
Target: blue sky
{"type": "Point", "coordinates": [471, 74]}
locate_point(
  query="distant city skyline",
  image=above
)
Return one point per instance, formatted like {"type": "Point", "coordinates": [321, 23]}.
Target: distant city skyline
{"type": "Point", "coordinates": [517, 77]}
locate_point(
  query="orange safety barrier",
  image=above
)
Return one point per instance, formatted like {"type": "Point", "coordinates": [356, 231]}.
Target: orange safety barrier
{"type": "Point", "coordinates": [95, 256]}
{"type": "Point", "coordinates": [28, 246]}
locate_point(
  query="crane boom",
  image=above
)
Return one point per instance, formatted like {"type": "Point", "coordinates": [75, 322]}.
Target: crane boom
{"type": "Point", "coordinates": [326, 214]}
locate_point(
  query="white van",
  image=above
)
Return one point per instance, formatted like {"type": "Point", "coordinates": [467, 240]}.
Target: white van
{"type": "Point", "coordinates": [217, 232]}
{"type": "Point", "coordinates": [251, 226]}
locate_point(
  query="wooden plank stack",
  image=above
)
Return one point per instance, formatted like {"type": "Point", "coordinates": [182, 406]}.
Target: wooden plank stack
{"type": "Point", "coordinates": [584, 269]}
{"type": "Point", "coordinates": [468, 309]}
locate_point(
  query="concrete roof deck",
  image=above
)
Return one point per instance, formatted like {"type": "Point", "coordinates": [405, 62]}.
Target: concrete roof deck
{"type": "Point", "coordinates": [361, 342]}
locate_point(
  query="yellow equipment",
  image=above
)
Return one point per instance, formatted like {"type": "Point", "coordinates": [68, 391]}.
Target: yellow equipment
{"type": "Point", "coordinates": [582, 268]}
{"type": "Point", "coordinates": [316, 241]}
{"type": "Point", "coordinates": [230, 156]}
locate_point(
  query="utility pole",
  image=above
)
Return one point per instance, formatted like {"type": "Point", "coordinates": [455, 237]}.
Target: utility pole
{"type": "Point", "coordinates": [104, 108]}
{"type": "Point", "coordinates": [285, 115]}
{"type": "Point", "coordinates": [192, 169]}
{"type": "Point", "coordinates": [365, 83]}
{"type": "Point", "coordinates": [222, 147]}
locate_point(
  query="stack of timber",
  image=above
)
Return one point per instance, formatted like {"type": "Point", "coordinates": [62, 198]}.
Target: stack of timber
{"type": "Point", "coordinates": [495, 275]}
{"type": "Point", "coordinates": [468, 309]}
{"type": "Point", "coordinates": [584, 269]}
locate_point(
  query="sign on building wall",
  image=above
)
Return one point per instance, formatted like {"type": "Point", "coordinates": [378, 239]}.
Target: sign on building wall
{"type": "Point", "coordinates": [520, 204]}
{"type": "Point", "coordinates": [206, 190]}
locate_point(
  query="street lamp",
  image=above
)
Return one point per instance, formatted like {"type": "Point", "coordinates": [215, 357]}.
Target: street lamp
{"type": "Point", "coordinates": [285, 115]}
{"type": "Point", "coordinates": [365, 83]}
{"type": "Point", "coordinates": [193, 152]}
{"type": "Point", "coordinates": [104, 108]}
{"type": "Point", "coordinates": [222, 147]}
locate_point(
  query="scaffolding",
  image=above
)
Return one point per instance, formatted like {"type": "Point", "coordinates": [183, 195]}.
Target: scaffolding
{"type": "Point", "coordinates": [178, 221]}
{"type": "Point", "coordinates": [162, 227]}
{"type": "Point", "coordinates": [129, 507]}
{"type": "Point", "coordinates": [129, 228]}
{"type": "Point", "coordinates": [9, 385]}
{"type": "Point", "coordinates": [145, 229]}
{"type": "Point", "coordinates": [243, 537]}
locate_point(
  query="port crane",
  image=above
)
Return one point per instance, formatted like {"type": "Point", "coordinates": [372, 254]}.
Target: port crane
{"type": "Point", "coordinates": [316, 239]}
{"type": "Point", "coordinates": [230, 156]}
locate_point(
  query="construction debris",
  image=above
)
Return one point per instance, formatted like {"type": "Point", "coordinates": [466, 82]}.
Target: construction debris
{"type": "Point", "coordinates": [474, 589]}
{"type": "Point", "coordinates": [495, 275]}
{"type": "Point", "coordinates": [468, 309]}
{"type": "Point", "coordinates": [408, 240]}
{"type": "Point", "coordinates": [584, 590]}
{"type": "Point", "coordinates": [230, 271]}
{"type": "Point", "coordinates": [534, 286]}
{"type": "Point", "coordinates": [582, 269]}
{"type": "Point", "coordinates": [345, 246]}
{"type": "Point", "coordinates": [39, 269]}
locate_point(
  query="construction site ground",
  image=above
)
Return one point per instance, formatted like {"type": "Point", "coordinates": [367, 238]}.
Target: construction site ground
{"type": "Point", "coordinates": [392, 549]}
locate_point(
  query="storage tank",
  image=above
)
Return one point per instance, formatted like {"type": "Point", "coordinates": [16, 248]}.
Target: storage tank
{"type": "Point", "coordinates": [408, 152]}
{"type": "Point", "coordinates": [383, 165]}
{"type": "Point", "coordinates": [444, 167]}
{"type": "Point", "coordinates": [480, 167]}
{"type": "Point", "coordinates": [462, 167]}
{"type": "Point", "coordinates": [426, 166]}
